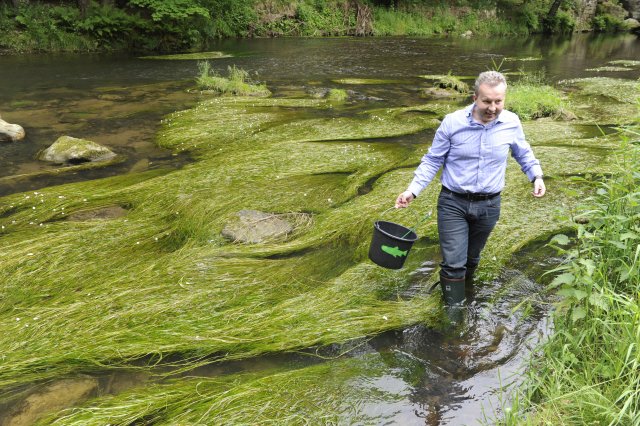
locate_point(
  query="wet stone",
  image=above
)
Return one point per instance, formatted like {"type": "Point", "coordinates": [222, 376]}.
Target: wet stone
{"type": "Point", "coordinates": [439, 93]}
{"type": "Point", "coordinates": [52, 398]}
{"type": "Point", "coordinates": [112, 97]}
{"type": "Point", "coordinates": [70, 150]}
{"type": "Point", "coordinates": [104, 213]}
{"type": "Point", "coordinates": [10, 132]}
{"type": "Point", "coordinates": [253, 226]}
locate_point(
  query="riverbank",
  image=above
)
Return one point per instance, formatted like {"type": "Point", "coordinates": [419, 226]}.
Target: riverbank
{"type": "Point", "coordinates": [588, 372]}
{"type": "Point", "coordinates": [170, 26]}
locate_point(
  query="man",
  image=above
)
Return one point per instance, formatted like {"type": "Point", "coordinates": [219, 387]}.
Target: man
{"type": "Point", "coordinates": [472, 145]}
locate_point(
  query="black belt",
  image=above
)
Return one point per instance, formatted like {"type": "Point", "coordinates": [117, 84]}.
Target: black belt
{"type": "Point", "coordinates": [471, 196]}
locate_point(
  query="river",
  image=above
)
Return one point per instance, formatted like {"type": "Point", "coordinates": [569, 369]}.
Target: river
{"type": "Point", "coordinates": [452, 376]}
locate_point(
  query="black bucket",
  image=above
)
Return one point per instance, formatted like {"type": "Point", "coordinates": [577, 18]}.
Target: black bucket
{"type": "Point", "coordinates": [390, 244]}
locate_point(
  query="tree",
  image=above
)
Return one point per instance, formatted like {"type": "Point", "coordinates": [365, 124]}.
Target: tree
{"type": "Point", "coordinates": [83, 5]}
{"type": "Point", "coordinates": [554, 9]}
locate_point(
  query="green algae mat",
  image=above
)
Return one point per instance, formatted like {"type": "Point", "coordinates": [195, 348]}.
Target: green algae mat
{"type": "Point", "coordinates": [157, 288]}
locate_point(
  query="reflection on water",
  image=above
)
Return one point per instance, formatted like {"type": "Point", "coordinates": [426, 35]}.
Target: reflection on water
{"type": "Point", "coordinates": [453, 376]}
{"type": "Point", "coordinates": [461, 374]}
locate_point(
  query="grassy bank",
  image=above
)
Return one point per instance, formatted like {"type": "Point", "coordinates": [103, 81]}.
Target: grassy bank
{"type": "Point", "coordinates": [178, 25]}
{"type": "Point", "coordinates": [588, 372]}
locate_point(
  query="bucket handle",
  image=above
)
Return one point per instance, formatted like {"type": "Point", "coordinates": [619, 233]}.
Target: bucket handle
{"type": "Point", "coordinates": [418, 223]}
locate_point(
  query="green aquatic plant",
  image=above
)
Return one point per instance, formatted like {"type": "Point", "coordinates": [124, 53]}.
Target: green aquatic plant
{"type": "Point", "coordinates": [620, 90]}
{"type": "Point", "coordinates": [363, 81]}
{"type": "Point", "coordinates": [452, 82]}
{"type": "Point", "coordinates": [160, 288]}
{"type": "Point", "coordinates": [162, 280]}
{"type": "Point", "coordinates": [440, 76]}
{"type": "Point", "coordinates": [337, 95]}
{"type": "Point", "coordinates": [531, 98]}
{"type": "Point", "coordinates": [328, 392]}
{"type": "Point", "coordinates": [523, 59]}
{"type": "Point", "coordinates": [625, 63]}
{"type": "Point", "coordinates": [235, 84]}
{"type": "Point", "coordinates": [608, 69]}
{"type": "Point", "coordinates": [190, 56]}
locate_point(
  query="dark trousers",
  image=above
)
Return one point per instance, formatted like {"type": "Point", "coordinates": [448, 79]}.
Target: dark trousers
{"type": "Point", "coordinates": [464, 226]}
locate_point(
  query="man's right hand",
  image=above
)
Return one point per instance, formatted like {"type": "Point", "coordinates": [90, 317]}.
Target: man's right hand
{"type": "Point", "coordinates": [404, 199]}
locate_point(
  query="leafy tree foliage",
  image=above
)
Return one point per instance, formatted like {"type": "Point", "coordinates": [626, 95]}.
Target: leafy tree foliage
{"type": "Point", "coordinates": [182, 25]}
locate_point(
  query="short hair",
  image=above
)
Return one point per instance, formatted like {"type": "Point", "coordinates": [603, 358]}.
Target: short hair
{"type": "Point", "coordinates": [490, 78]}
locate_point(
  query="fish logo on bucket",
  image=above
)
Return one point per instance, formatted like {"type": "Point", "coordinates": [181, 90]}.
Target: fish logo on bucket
{"type": "Point", "coordinates": [394, 251]}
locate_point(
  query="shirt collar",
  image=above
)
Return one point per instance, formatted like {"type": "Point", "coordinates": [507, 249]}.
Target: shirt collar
{"type": "Point", "coordinates": [499, 119]}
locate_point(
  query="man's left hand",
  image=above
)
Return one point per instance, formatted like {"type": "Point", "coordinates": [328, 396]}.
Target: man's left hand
{"type": "Point", "coordinates": [538, 188]}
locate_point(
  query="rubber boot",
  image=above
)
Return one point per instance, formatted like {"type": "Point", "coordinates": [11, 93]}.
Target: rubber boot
{"type": "Point", "coordinates": [470, 273]}
{"type": "Point", "coordinates": [469, 280]}
{"type": "Point", "coordinates": [452, 290]}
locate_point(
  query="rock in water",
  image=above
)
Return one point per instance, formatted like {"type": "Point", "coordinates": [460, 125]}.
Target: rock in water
{"type": "Point", "coordinates": [72, 150]}
{"type": "Point", "coordinates": [10, 132]}
{"type": "Point", "coordinates": [254, 226]}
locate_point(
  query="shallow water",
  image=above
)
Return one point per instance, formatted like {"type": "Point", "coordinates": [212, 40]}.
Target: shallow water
{"type": "Point", "coordinates": [119, 100]}
{"type": "Point", "coordinates": [447, 376]}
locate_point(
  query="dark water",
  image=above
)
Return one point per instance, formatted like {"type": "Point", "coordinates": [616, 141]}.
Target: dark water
{"type": "Point", "coordinates": [449, 376]}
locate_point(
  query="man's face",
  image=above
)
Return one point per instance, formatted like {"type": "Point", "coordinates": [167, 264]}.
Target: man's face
{"type": "Point", "coordinates": [489, 102]}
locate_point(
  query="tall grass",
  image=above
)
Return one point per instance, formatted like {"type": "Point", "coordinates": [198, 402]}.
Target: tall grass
{"type": "Point", "coordinates": [235, 84]}
{"type": "Point", "coordinates": [531, 97]}
{"type": "Point", "coordinates": [437, 20]}
{"type": "Point", "coordinates": [589, 371]}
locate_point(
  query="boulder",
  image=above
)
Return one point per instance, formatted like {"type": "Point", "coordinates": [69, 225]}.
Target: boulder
{"type": "Point", "coordinates": [632, 24]}
{"type": "Point", "coordinates": [253, 226]}
{"type": "Point", "coordinates": [72, 150]}
{"type": "Point", "coordinates": [439, 93]}
{"type": "Point", "coordinates": [10, 132]}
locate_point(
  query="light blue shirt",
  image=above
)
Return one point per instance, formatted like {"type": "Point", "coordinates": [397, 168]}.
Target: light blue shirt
{"type": "Point", "coordinates": [474, 155]}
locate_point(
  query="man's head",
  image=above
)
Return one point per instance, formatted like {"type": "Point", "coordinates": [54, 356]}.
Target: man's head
{"type": "Point", "coordinates": [490, 90]}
